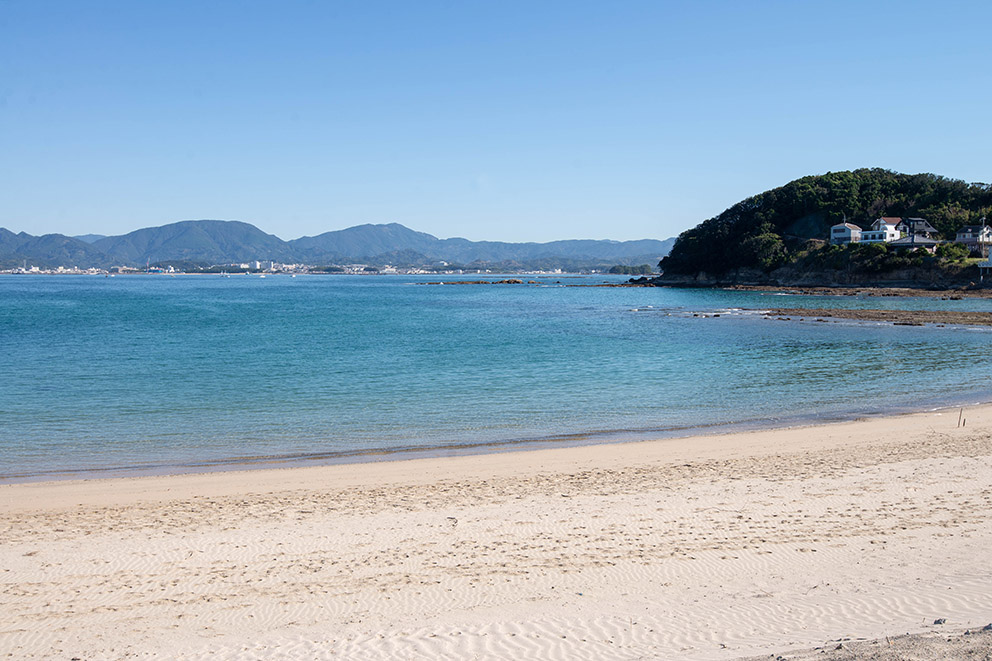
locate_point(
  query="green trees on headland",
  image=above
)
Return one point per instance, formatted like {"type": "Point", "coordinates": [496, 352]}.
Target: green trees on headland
{"type": "Point", "coordinates": [621, 269]}
{"type": "Point", "coordinates": [774, 228]}
{"type": "Point", "coordinates": [871, 258]}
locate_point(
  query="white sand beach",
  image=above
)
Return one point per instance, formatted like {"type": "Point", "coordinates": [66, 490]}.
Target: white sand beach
{"type": "Point", "coordinates": [712, 547]}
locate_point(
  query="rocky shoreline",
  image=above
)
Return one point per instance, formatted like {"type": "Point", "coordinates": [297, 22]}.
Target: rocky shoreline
{"type": "Point", "coordinates": [948, 294]}
{"type": "Point", "coordinates": [896, 317]}
{"type": "Point", "coordinates": [970, 290]}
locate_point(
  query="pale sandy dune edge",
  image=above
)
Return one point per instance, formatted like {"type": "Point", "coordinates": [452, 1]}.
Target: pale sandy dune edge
{"type": "Point", "coordinates": [967, 645]}
{"type": "Point", "coordinates": [705, 548]}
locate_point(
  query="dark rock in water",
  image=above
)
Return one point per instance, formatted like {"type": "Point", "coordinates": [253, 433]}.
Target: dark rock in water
{"type": "Point", "coordinates": [896, 317]}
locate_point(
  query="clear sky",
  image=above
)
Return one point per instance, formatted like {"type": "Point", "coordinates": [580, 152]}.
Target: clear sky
{"type": "Point", "coordinates": [500, 120]}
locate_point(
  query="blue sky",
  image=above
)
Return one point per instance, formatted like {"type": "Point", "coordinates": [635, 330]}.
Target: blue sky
{"type": "Point", "coordinates": [514, 121]}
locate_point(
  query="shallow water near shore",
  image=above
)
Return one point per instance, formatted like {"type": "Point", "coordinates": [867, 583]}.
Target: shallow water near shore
{"type": "Point", "coordinates": [157, 374]}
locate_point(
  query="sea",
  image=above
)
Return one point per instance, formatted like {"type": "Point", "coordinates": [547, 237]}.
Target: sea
{"type": "Point", "coordinates": [152, 374]}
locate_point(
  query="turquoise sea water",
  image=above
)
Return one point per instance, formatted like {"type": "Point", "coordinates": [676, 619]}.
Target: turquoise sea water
{"type": "Point", "coordinates": [158, 374]}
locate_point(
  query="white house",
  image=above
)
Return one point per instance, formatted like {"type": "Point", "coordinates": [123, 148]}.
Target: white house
{"type": "Point", "coordinates": [882, 230]}
{"type": "Point", "coordinates": [977, 238]}
{"type": "Point", "coordinates": [843, 233]}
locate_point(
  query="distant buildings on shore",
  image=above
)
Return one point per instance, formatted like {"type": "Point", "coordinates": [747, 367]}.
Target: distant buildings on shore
{"type": "Point", "coordinates": [268, 267]}
{"type": "Point", "coordinates": [910, 233]}
{"type": "Point", "coordinates": [59, 270]}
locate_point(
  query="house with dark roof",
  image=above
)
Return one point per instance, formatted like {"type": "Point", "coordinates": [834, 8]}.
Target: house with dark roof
{"type": "Point", "coordinates": [916, 233]}
{"type": "Point", "coordinates": [914, 241]}
{"type": "Point", "coordinates": [917, 227]}
{"type": "Point", "coordinates": [978, 238]}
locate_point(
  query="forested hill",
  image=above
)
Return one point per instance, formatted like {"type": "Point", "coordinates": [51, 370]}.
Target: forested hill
{"type": "Point", "coordinates": [203, 243]}
{"type": "Point", "coordinates": [770, 229]}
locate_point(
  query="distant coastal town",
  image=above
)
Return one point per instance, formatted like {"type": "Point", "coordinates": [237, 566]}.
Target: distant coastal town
{"type": "Point", "coordinates": [268, 267]}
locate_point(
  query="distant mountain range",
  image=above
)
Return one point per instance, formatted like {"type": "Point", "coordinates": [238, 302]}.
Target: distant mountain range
{"type": "Point", "coordinates": [210, 242]}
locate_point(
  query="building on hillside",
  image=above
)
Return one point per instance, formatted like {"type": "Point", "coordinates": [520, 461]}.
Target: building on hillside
{"type": "Point", "coordinates": [916, 227]}
{"type": "Point", "coordinates": [977, 238]}
{"type": "Point", "coordinates": [883, 230]}
{"type": "Point", "coordinates": [984, 268]}
{"type": "Point", "coordinates": [844, 233]}
{"type": "Point", "coordinates": [914, 241]}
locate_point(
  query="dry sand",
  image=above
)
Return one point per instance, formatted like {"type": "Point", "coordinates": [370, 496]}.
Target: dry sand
{"type": "Point", "coordinates": [712, 547]}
